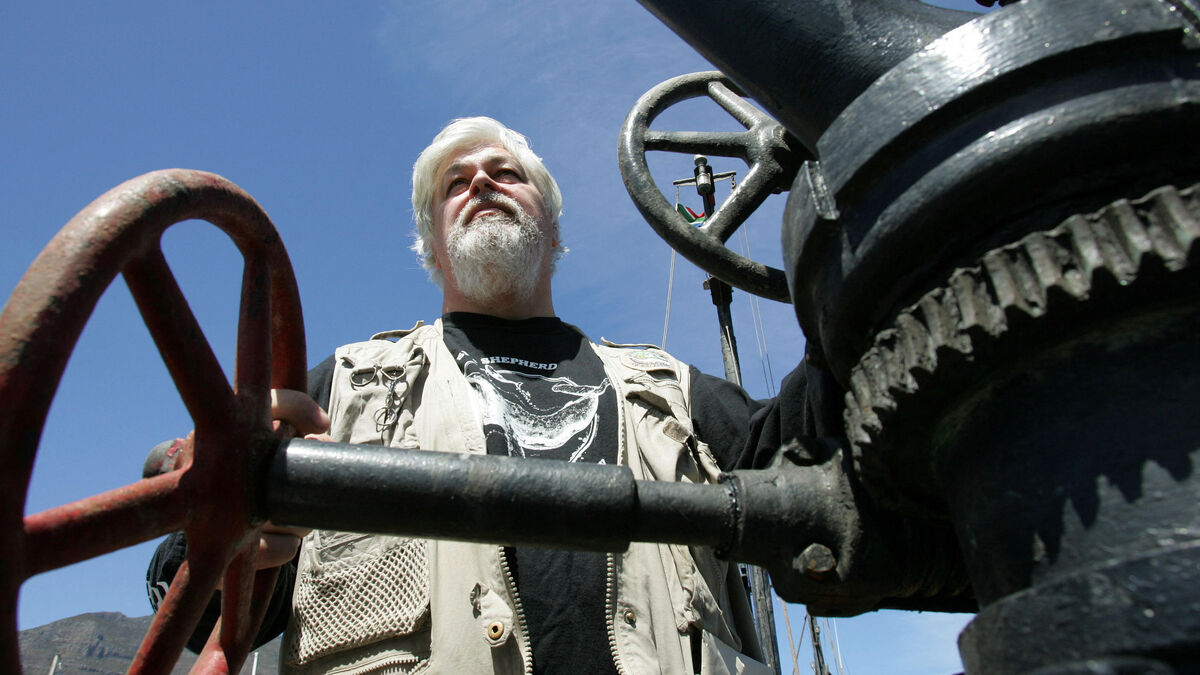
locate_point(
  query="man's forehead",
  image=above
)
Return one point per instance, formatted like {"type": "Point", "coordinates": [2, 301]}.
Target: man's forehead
{"type": "Point", "coordinates": [478, 154]}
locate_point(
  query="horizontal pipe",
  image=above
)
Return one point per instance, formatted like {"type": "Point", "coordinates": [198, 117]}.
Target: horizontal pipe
{"type": "Point", "coordinates": [369, 488]}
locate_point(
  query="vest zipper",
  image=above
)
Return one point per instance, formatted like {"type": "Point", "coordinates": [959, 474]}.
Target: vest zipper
{"type": "Point", "coordinates": [610, 577]}
{"type": "Point", "coordinates": [610, 610]}
{"type": "Point", "coordinates": [392, 665]}
{"type": "Point", "coordinates": [523, 639]}
{"type": "Point", "coordinates": [399, 666]}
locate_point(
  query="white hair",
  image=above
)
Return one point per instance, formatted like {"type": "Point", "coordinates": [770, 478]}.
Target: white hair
{"type": "Point", "coordinates": [464, 134]}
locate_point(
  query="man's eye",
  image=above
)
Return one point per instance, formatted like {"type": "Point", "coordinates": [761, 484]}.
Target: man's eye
{"type": "Point", "coordinates": [510, 174]}
{"type": "Point", "coordinates": [455, 185]}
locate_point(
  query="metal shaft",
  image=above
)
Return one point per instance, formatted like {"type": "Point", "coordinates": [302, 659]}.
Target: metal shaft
{"type": "Point", "coordinates": [366, 488]}
{"type": "Point", "coordinates": [760, 587]}
{"type": "Point", "coordinates": [722, 297]}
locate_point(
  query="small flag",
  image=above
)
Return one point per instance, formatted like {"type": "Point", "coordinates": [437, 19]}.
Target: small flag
{"type": "Point", "coordinates": [689, 215]}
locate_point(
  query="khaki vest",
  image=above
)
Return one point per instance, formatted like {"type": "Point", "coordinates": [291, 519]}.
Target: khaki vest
{"type": "Point", "coordinates": [372, 604]}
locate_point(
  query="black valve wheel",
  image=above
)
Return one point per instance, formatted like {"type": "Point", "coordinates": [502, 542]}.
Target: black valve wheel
{"type": "Point", "coordinates": [772, 154]}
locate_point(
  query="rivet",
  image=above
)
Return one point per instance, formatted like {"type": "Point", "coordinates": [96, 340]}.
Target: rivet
{"type": "Point", "coordinates": [817, 562]}
{"type": "Point", "coordinates": [630, 617]}
{"type": "Point", "coordinates": [495, 630]}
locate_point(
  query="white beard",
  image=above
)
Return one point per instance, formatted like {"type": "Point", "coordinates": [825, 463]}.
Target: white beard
{"type": "Point", "coordinates": [496, 256]}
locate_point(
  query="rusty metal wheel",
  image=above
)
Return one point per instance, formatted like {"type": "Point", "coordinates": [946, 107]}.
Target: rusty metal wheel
{"type": "Point", "coordinates": [212, 497]}
{"type": "Point", "coordinates": [765, 145]}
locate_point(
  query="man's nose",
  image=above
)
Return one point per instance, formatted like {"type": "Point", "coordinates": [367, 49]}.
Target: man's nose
{"type": "Point", "coordinates": [482, 182]}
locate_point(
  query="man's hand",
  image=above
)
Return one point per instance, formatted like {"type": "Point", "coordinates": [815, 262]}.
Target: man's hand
{"type": "Point", "coordinates": [297, 409]}
{"type": "Point", "coordinates": [278, 545]}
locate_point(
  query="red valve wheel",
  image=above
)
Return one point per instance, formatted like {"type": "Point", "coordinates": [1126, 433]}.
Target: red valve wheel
{"type": "Point", "coordinates": [211, 497]}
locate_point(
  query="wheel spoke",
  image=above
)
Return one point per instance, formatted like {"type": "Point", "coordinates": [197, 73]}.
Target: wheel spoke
{"type": "Point", "coordinates": [289, 363]}
{"type": "Point", "coordinates": [737, 106]}
{"type": "Point", "coordinates": [184, 349]}
{"type": "Point", "coordinates": [235, 601]}
{"type": "Point", "coordinates": [252, 372]}
{"type": "Point", "coordinates": [106, 522]}
{"type": "Point", "coordinates": [720, 143]}
{"type": "Point", "coordinates": [747, 197]}
{"type": "Point", "coordinates": [243, 605]}
{"type": "Point", "coordinates": [176, 618]}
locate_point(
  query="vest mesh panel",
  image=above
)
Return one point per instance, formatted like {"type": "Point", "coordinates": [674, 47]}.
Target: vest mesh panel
{"type": "Point", "coordinates": [349, 607]}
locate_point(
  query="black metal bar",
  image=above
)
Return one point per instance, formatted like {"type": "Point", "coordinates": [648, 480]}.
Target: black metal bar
{"type": "Point", "coordinates": [363, 488]}
{"type": "Point", "coordinates": [722, 297]}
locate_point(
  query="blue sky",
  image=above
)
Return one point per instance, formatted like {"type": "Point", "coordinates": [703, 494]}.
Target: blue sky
{"type": "Point", "coordinates": [319, 113]}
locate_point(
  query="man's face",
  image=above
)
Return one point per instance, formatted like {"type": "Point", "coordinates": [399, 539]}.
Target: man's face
{"type": "Point", "coordinates": [491, 232]}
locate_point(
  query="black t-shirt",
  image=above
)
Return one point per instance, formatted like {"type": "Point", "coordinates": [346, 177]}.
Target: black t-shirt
{"type": "Point", "coordinates": [543, 394]}
{"type": "Point", "coordinates": [541, 389]}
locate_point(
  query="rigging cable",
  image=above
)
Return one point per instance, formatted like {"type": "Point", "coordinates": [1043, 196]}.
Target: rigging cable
{"type": "Point", "coordinates": [837, 645]}
{"type": "Point", "coordinates": [670, 290]}
{"type": "Point", "coordinates": [670, 284]}
{"type": "Point", "coordinates": [793, 646]}
{"type": "Point", "coordinates": [760, 336]}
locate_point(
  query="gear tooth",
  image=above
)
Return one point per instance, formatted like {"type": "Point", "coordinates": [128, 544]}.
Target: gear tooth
{"type": "Point", "coordinates": [891, 350]}
{"type": "Point", "coordinates": [858, 395]}
{"type": "Point", "coordinates": [876, 372]}
{"type": "Point", "coordinates": [885, 365]}
{"type": "Point", "coordinates": [962, 288]}
{"type": "Point", "coordinates": [1087, 252]}
{"type": "Point", "coordinates": [1061, 258]}
{"type": "Point", "coordinates": [1074, 284]}
{"type": "Point", "coordinates": [1122, 240]}
{"type": "Point", "coordinates": [919, 351]}
{"type": "Point", "coordinates": [1037, 271]}
{"type": "Point", "coordinates": [976, 310]}
{"type": "Point", "coordinates": [958, 340]}
{"type": "Point", "coordinates": [865, 419]}
{"type": "Point", "coordinates": [857, 425]}
{"type": "Point", "coordinates": [1131, 230]}
{"type": "Point", "coordinates": [1004, 284]}
{"type": "Point", "coordinates": [1173, 228]}
{"type": "Point", "coordinates": [940, 325]}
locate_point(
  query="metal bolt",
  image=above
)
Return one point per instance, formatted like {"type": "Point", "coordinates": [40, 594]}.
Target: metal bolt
{"type": "Point", "coordinates": [817, 562]}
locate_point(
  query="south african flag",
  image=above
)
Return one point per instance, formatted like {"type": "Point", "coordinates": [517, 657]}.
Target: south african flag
{"type": "Point", "coordinates": [689, 215]}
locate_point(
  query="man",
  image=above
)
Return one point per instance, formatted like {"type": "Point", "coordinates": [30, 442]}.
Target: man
{"type": "Point", "coordinates": [500, 373]}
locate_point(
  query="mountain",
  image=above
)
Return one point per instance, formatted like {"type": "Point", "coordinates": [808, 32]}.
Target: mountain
{"type": "Point", "coordinates": [103, 643]}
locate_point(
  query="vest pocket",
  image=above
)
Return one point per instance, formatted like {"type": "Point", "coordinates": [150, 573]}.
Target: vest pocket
{"type": "Point", "coordinates": [369, 399]}
{"type": "Point", "coordinates": [354, 590]}
{"type": "Point", "coordinates": [718, 658]}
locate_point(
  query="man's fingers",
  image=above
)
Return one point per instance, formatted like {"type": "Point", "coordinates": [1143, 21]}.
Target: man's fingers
{"type": "Point", "coordinates": [276, 549]}
{"type": "Point", "coordinates": [296, 408]}
{"type": "Point", "coordinates": [276, 546]}
{"type": "Point", "coordinates": [271, 528]}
